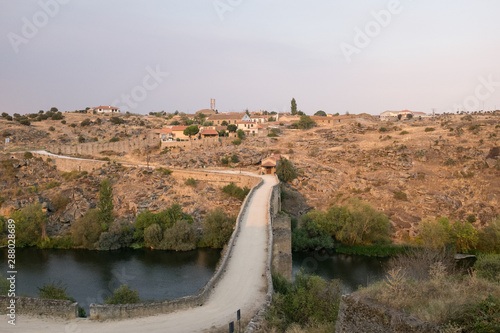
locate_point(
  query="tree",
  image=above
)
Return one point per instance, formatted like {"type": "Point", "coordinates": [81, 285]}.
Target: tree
{"type": "Point", "coordinates": [224, 123]}
{"type": "Point", "coordinates": [31, 222]}
{"type": "Point", "coordinates": [217, 228]}
{"type": "Point", "coordinates": [153, 235]}
{"type": "Point", "coordinates": [293, 107]}
{"type": "Point", "coordinates": [180, 237]}
{"type": "Point", "coordinates": [305, 122]}
{"type": "Point", "coordinates": [435, 234]}
{"type": "Point", "coordinates": [320, 113]}
{"type": "Point", "coordinates": [200, 118]}
{"type": "Point", "coordinates": [285, 170]}
{"type": "Point", "coordinates": [105, 205]}
{"type": "Point", "coordinates": [232, 128]}
{"type": "Point", "coordinates": [466, 237]}
{"type": "Point", "coordinates": [86, 230]}
{"type": "Point", "coordinates": [191, 130]}
{"type": "Point", "coordinates": [241, 134]}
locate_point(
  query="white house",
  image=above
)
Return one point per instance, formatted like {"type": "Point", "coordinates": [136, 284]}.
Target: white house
{"type": "Point", "coordinates": [104, 109]}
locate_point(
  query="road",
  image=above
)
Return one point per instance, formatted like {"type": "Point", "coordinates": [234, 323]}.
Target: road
{"type": "Point", "coordinates": [243, 286]}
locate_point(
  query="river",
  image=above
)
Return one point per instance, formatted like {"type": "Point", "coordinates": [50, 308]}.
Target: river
{"type": "Point", "coordinates": [91, 276]}
{"type": "Point", "coordinates": [353, 270]}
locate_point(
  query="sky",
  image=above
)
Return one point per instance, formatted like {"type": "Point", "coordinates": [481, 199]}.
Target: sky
{"type": "Point", "coordinates": [364, 56]}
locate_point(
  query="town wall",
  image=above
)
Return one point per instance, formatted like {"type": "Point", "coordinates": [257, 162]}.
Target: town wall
{"type": "Point", "coordinates": [95, 148]}
{"type": "Point", "coordinates": [38, 306]}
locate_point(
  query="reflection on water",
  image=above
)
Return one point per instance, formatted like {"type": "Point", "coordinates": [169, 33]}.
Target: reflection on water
{"type": "Point", "coordinates": [353, 271]}
{"type": "Point", "coordinates": [91, 276]}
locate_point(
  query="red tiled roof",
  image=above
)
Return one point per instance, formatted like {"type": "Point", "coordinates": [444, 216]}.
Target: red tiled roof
{"type": "Point", "coordinates": [109, 107]}
{"type": "Point", "coordinates": [268, 164]}
{"type": "Point", "coordinates": [209, 132]}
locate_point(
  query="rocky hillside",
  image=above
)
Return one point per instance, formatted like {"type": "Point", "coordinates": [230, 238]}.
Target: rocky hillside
{"type": "Point", "coordinates": [67, 196]}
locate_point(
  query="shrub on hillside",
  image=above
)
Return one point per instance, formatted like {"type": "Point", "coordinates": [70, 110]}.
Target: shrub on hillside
{"type": "Point", "coordinates": [235, 191]}
{"type": "Point", "coordinates": [307, 302]}
{"type": "Point", "coordinates": [285, 170]}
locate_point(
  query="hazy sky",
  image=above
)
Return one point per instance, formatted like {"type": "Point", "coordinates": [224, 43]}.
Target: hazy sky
{"type": "Point", "coordinates": [336, 56]}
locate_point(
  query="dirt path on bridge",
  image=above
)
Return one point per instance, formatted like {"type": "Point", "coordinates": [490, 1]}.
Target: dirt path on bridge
{"type": "Point", "coordinates": [243, 286]}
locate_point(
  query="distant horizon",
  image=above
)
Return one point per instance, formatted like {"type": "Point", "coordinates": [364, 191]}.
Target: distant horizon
{"type": "Point", "coordinates": [367, 56]}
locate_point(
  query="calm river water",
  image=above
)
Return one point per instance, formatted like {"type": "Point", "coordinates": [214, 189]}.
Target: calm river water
{"type": "Point", "coordinates": [353, 271]}
{"type": "Point", "coordinates": [91, 276]}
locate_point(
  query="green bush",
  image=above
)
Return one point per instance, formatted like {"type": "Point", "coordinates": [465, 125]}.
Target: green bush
{"type": "Point", "coordinates": [309, 301]}
{"type": "Point", "coordinates": [60, 202]}
{"type": "Point", "coordinates": [116, 120]}
{"type": "Point", "coordinates": [164, 171]}
{"type": "Point", "coordinates": [235, 191]}
{"type": "Point", "coordinates": [86, 230]}
{"type": "Point", "coordinates": [52, 129]}
{"type": "Point", "coordinates": [404, 133]}
{"type": "Point", "coordinates": [153, 236]}
{"type": "Point", "coordinates": [51, 184]}
{"type": "Point", "coordinates": [123, 295]}
{"type": "Point", "coordinates": [357, 223]}
{"type": "Point", "coordinates": [236, 142]}
{"type": "Point", "coordinates": [28, 155]}
{"type": "Point", "coordinates": [489, 237]}
{"type": "Point", "coordinates": [483, 316]}
{"type": "Point", "coordinates": [180, 237]}
{"type": "Point", "coordinates": [114, 139]}
{"type": "Point", "coordinates": [217, 228]}
{"type": "Point", "coordinates": [235, 158]}
{"type": "Point", "coordinates": [191, 182]}
{"type": "Point", "coordinates": [488, 267]}
{"type": "Point", "coordinates": [285, 170]}
{"type": "Point", "coordinates": [30, 225]}
{"type": "Point", "coordinates": [165, 219]}
{"type": "Point", "coordinates": [85, 122]}
{"type": "Point", "coordinates": [53, 291]}
{"type": "Point", "coordinates": [400, 195]}
{"type": "Point", "coordinates": [429, 129]}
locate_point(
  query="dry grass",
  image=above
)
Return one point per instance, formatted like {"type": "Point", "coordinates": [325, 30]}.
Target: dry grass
{"type": "Point", "coordinates": [435, 299]}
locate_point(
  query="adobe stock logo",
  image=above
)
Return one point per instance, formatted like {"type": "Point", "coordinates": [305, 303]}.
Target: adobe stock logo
{"type": "Point", "coordinates": [372, 29]}
{"type": "Point", "coordinates": [30, 28]}
{"type": "Point", "coordinates": [139, 93]}
{"type": "Point", "coordinates": [482, 92]}
{"type": "Point", "coordinates": [224, 6]}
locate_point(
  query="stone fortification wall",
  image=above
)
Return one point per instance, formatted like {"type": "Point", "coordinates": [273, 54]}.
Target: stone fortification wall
{"type": "Point", "coordinates": [37, 306]}
{"type": "Point", "coordinates": [94, 148]}
{"type": "Point", "coordinates": [221, 179]}
{"type": "Point", "coordinates": [199, 143]}
{"type": "Point", "coordinates": [109, 311]}
{"type": "Point", "coordinates": [358, 314]}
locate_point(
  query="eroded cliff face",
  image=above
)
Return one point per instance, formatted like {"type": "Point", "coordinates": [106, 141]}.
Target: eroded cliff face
{"type": "Point", "coordinates": [359, 314]}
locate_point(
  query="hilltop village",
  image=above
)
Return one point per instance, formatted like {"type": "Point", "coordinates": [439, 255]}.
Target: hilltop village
{"type": "Point", "coordinates": [409, 165]}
